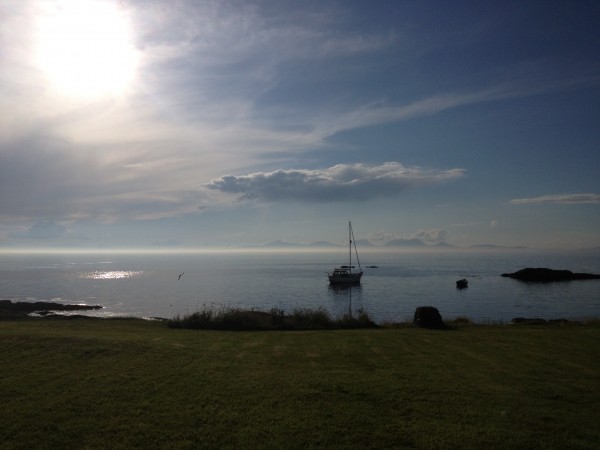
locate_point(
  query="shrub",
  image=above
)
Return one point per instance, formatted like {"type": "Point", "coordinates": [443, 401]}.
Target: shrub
{"type": "Point", "coordinates": [463, 320]}
{"type": "Point", "coordinates": [237, 319]}
{"type": "Point", "coordinates": [362, 321]}
{"type": "Point", "coordinates": [309, 319]}
{"type": "Point", "coordinates": [198, 320]}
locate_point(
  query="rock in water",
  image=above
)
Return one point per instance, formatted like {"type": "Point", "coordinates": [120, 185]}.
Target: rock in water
{"type": "Point", "coordinates": [462, 284]}
{"type": "Point", "coordinates": [542, 274]}
{"type": "Point", "coordinates": [429, 317]}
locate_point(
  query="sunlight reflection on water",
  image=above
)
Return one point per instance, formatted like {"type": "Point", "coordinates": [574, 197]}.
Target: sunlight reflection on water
{"type": "Point", "coordinates": [111, 274]}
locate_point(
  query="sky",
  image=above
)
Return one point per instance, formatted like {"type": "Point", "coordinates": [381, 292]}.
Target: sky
{"type": "Point", "coordinates": [202, 124]}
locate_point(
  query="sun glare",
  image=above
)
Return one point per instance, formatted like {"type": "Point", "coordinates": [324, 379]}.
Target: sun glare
{"type": "Point", "coordinates": [85, 48]}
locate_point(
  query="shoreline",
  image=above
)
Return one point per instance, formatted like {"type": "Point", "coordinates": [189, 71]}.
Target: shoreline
{"type": "Point", "coordinates": [10, 310]}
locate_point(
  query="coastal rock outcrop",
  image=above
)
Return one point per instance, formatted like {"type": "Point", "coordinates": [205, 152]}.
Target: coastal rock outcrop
{"type": "Point", "coordinates": [429, 317]}
{"type": "Point", "coordinates": [544, 275]}
{"type": "Point", "coordinates": [19, 309]}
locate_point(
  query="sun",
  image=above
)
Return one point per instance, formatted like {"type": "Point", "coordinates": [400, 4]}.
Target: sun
{"type": "Point", "coordinates": [85, 48]}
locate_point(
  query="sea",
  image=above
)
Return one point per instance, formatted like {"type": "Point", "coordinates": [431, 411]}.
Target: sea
{"type": "Point", "coordinates": [149, 285]}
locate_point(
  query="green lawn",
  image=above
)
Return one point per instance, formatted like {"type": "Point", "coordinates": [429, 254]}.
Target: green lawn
{"type": "Point", "coordinates": [134, 384]}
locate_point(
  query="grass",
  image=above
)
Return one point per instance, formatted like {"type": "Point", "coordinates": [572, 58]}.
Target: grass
{"type": "Point", "coordinates": [135, 384]}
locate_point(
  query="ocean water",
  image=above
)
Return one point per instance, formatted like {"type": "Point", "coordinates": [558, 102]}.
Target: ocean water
{"type": "Point", "coordinates": [148, 285]}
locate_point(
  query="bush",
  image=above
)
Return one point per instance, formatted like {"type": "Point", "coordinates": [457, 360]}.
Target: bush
{"type": "Point", "coordinates": [237, 319]}
{"type": "Point", "coordinates": [462, 320]}
{"type": "Point", "coordinates": [309, 319]}
{"type": "Point", "coordinates": [362, 321]}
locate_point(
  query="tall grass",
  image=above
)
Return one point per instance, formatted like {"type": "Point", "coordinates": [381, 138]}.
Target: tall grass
{"type": "Point", "coordinates": [238, 319]}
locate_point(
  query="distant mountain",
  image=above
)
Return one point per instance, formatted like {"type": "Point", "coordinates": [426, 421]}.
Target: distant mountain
{"type": "Point", "coordinates": [405, 243]}
{"type": "Point", "coordinates": [517, 247]}
{"type": "Point", "coordinates": [443, 244]}
{"type": "Point", "coordinates": [396, 243]}
{"type": "Point", "coordinates": [284, 244]}
{"type": "Point", "coordinates": [321, 244]}
{"type": "Point", "coordinates": [280, 244]}
{"type": "Point", "coordinates": [364, 243]}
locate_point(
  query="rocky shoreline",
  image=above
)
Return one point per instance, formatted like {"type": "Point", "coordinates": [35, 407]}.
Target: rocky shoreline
{"type": "Point", "coordinates": [10, 309]}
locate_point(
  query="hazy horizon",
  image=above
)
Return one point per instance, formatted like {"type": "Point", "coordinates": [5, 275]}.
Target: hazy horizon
{"type": "Point", "coordinates": [292, 248]}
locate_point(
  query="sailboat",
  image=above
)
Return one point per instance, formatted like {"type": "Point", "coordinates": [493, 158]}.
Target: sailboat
{"type": "Point", "coordinates": [343, 276]}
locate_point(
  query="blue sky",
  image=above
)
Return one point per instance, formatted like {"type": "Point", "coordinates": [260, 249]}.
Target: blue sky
{"type": "Point", "coordinates": [224, 123]}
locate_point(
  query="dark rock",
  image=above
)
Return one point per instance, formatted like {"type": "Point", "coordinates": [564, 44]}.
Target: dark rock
{"type": "Point", "coordinates": [544, 275]}
{"type": "Point", "coordinates": [429, 317]}
{"type": "Point", "coordinates": [462, 284]}
{"type": "Point", "coordinates": [70, 317]}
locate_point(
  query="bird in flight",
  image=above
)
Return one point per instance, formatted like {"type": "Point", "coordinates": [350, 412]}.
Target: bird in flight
{"type": "Point", "coordinates": [180, 276]}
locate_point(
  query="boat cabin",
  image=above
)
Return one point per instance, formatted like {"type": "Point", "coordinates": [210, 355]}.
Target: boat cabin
{"type": "Point", "coordinates": [340, 272]}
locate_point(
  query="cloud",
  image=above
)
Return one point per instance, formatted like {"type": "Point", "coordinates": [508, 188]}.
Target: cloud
{"type": "Point", "coordinates": [340, 183]}
{"type": "Point", "coordinates": [565, 199]}
{"type": "Point", "coordinates": [425, 235]}
{"type": "Point", "coordinates": [431, 235]}
{"type": "Point", "coordinates": [42, 229]}
{"type": "Point", "coordinates": [467, 224]}
{"type": "Point", "coordinates": [381, 236]}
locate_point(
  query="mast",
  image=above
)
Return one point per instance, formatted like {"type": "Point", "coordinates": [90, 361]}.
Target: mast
{"type": "Point", "coordinates": [352, 241]}
{"type": "Point", "coordinates": [350, 237]}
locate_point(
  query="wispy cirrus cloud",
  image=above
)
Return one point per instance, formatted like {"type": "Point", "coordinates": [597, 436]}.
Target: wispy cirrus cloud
{"type": "Point", "coordinates": [565, 199]}
{"type": "Point", "coordinates": [342, 182]}
{"type": "Point", "coordinates": [377, 113]}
